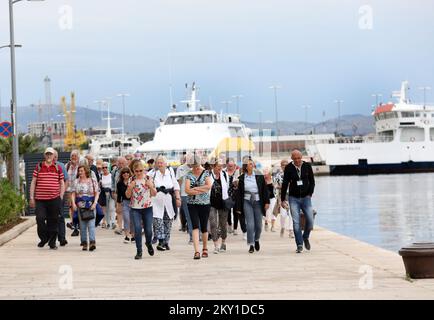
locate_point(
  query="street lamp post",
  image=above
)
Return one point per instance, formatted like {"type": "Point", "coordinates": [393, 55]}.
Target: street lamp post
{"type": "Point", "coordinates": [306, 107]}
{"type": "Point", "coordinates": [123, 95]}
{"type": "Point", "coordinates": [260, 134]}
{"type": "Point", "coordinates": [377, 95]}
{"type": "Point", "coordinates": [275, 88]}
{"type": "Point", "coordinates": [238, 97]}
{"type": "Point", "coordinates": [338, 102]}
{"type": "Point", "coordinates": [15, 146]}
{"type": "Point", "coordinates": [227, 105]}
{"type": "Point", "coordinates": [424, 94]}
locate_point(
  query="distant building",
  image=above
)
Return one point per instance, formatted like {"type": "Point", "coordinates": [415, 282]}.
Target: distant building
{"type": "Point", "coordinates": [41, 129]}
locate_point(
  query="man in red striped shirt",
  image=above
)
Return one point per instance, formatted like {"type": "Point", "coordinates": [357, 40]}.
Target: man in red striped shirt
{"type": "Point", "coordinates": [46, 194]}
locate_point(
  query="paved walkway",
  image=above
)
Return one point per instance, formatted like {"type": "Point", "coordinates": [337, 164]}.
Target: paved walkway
{"type": "Point", "coordinates": [337, 267]}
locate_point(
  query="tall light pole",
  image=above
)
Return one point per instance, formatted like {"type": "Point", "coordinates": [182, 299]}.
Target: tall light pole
{"type": "Point", "coordinates": [238, 97]}
{"type": "Point", "coordinates": [123, 95]}
{"type": "Point", "coordinates": [338, 102]}
{"type": "Point", "coordinates": [227, 105]}
{"type": "Point", "coordinates": [275, 88]}
{"type": "Point", "coordinates": [15, 146]}
{"type": "Point", "coordinates": [260, 133]}
{"type": "Point", "coordinates": [424, 94]}
{"type": "Point", "coordinates": [306, 107]}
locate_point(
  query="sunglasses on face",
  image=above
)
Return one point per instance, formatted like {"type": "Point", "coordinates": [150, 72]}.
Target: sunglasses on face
{"type": "Point", "coordinates": [105, 167]}
{"type": "Point", "coordinates": [138, 170]}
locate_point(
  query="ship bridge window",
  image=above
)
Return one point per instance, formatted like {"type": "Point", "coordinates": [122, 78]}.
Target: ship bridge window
{"type": "Point", "coordinates": [412, 134]}
{"type": "Point", "coordinates": [406, 114]}
{"type": "Point", "coordinates": [126, 145]}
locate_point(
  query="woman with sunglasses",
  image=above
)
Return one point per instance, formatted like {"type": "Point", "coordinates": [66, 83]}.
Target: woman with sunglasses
{"type": "Point", "coordinates": [140, 190]}
{"type": "Point", "coordinates": [124, 201]}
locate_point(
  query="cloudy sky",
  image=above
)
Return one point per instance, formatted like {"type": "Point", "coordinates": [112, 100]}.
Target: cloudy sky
{"type": "Point", "coordinates": [317, 50]}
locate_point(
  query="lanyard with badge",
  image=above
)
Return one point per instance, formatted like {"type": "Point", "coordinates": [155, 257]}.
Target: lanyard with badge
{"type": "Point", "coordinates": [299, 181]}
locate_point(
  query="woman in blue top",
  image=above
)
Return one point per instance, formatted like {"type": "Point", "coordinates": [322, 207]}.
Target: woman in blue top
{"type": "Point", "coordinates": [198, 184]}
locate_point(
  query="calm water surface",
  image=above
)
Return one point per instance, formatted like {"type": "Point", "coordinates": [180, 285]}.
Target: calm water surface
{"type": "Point", "coordinates": [388, 211]}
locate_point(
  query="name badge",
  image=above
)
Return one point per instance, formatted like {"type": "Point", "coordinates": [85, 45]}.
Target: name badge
{"type": "Point", "coordinates": [299, 183]}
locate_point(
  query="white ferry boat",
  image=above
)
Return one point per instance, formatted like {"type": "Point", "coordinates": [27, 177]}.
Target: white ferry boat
{"type": "Point", "coordinates": [110, 145]}
{"type": "Point", "coordinates": [197, 130]}
{"type": "Point", "coordinates": [403, 143]}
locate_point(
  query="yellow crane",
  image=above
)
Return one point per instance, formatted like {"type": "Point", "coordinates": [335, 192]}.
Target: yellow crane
{"type": "Point", "coordinates": [73, 139]}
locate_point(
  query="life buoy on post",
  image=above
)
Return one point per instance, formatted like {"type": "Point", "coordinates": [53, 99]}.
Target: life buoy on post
{"type": "Point", "coordinates": [412, 139]}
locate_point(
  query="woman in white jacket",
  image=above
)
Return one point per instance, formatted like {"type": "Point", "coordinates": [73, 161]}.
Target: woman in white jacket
{"type": "Point", "coordinates": [165, 202]}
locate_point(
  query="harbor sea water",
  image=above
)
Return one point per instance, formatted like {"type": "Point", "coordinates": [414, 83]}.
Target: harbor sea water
{"type": "Point", "coordinates": [388, 211]}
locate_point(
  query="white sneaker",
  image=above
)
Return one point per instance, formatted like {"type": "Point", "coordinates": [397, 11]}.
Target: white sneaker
{"type": "Point", "coordinates": [216, 250]}
{"type": "Point", "coordinates": [291, 234]}
{"type": "Point", "coordinates": [235, 232]}
{"type": "Point", "coordinates": [230, 229]}
{"type": "Point", "coordinates": [245, 235]}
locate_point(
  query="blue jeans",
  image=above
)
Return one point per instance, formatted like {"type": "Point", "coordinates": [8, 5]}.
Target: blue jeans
{"type": "Point", "coordinates": [296, 205]}
{"type": "Point", "coordinates": [84, 227]}
{"type": "Point", "coordinates": [187, 215]}
{"type": "Point", "coordinates": [253, 216]}
{"type": "Point", "coordinates": [126, 216]}
{"type": "Point", "coordinates": [145, 216]}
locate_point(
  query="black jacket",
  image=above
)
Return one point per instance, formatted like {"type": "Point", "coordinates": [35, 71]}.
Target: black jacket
{"type": "Point", "coordinates": [291, 177]}
{"type": "Point", "coordinates": [264, 196]}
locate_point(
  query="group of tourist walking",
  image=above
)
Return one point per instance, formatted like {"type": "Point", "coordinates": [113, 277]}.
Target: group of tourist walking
{"type": "Point", "coordinates": [134, 197]}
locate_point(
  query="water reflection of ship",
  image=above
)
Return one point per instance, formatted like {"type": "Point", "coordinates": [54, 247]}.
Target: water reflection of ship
{"type": "Point", "coordinates": [199, 130]}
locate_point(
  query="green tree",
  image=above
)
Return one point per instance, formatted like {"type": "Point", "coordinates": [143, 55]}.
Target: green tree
{"type": "Point", "coordinates": [27, 144]}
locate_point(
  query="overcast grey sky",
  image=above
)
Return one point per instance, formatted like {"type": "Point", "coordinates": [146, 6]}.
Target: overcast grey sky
{"type": "Point", "coordinates": [317, 50]}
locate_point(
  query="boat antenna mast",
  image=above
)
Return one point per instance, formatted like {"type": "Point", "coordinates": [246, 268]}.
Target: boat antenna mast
{"type": "Point", "coordinates": [109, 129]}
{"type": "Point", "coordinates": [403, 94]}
{"type": "Point", "coordinates": [191, 103]}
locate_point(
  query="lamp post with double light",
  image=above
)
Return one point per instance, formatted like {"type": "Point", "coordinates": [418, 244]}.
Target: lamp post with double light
{"type": "Point", "coordinates": [15, 146]}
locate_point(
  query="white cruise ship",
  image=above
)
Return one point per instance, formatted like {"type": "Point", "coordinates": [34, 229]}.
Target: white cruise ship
{"type": "Point", "coordinates": [197, 130]}
{"type": "Point", "coordinates": [404, 142]}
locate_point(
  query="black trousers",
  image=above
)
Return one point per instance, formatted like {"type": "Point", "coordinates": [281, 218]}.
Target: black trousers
{"type": "Point", "coordinates": [61, 222]}
{"type": "Point", "coordinates": [242, 219]}
{"type": "Point", "coordinates": [183, 219]}
{"type": "Point", "coordinates": [47, 217]}
{"type": "Point", "coordinates": [199, 215]}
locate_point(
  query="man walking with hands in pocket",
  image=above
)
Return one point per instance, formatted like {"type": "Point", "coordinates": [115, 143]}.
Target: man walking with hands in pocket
{"type": "Point", "coordinates": [299, 177]}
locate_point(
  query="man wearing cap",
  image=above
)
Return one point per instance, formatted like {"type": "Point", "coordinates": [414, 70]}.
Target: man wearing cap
{"type": "Point", "coordinates": [46, 194]}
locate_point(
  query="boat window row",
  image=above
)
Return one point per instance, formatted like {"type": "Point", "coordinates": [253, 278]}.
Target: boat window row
{"type": "Point", "coordinates": [193, 118]}
{"type": "Point", "coordinates": [403, 114]}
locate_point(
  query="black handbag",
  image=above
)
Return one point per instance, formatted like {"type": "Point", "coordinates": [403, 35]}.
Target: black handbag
{"type": "Point", "coordinates": [86, 214]}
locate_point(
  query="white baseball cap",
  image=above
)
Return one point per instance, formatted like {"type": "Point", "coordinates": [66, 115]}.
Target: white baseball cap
{"type": "Point", "coordinates": [49, 150]}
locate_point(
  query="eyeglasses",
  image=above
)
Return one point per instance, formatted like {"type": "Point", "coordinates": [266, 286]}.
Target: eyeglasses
{"type": "Point", "coordinates": [105, 167]}
{"type": "Point", "coordinates": [126, 173]}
